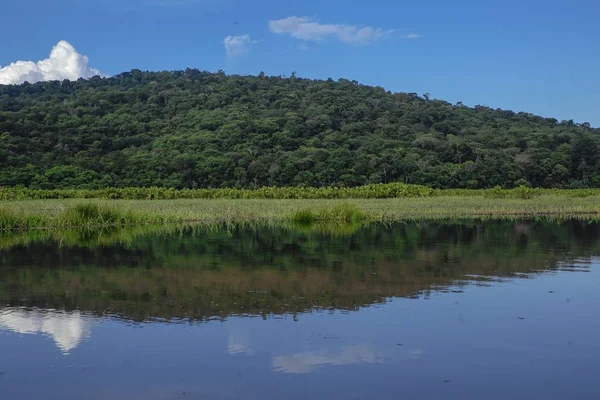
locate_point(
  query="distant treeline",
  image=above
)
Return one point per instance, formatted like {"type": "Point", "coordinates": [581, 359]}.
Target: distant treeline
{"type": "Point", "coordinates": [195, 129]}
{"type": "Point", "coordinates": [375, 191]}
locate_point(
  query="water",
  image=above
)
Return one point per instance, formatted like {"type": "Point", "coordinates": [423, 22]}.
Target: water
{"type": "Point", "coordinates": [469, 310]}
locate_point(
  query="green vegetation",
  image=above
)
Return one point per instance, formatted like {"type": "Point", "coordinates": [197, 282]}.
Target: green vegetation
{"type": "Point", "coordinates": [194, 129]}
{"type": "Point", "coordinates": [339, 213]}
{"type": "Point", "coordinates": [27, 214]}
{"type": "Point", "coordinates": [10, 220]}
{"type": "Point", "coordinates": [154, 193]}
{"type": "Point", "coordinates": [375, 191]}
{"type": "Point", "coordinates": [81, 215]}
{"type": "Point", "coordinates": [91, 214]}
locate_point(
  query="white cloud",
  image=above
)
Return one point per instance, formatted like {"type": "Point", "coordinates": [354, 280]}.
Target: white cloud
{"type": "Point", "coordinates": [237, 344]}
{"type": "Point", "coordinates": [237, 45]}
{"type": "Point", "coordinates": [67, 329]}
{"type": "Point", "coordinates": [305, 28]}
{"type": "Point", "coordinates": [411, 36]}
{"type": "Point", "coordinates": [64, 63]}
{"type": "Point", "coordinates": [307, 362]}
{"type": "Point", "coordinates": [304, 363]}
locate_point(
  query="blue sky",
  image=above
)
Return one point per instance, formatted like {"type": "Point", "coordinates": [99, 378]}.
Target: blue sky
{"type": "Point", "coordinates": [530, 55]}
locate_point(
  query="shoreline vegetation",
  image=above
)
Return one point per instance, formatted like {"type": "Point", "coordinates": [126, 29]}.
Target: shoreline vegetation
{"type": "Point", "coordinates": [374, 191]}
{"type": "Point", "coordinates": [24, 209]}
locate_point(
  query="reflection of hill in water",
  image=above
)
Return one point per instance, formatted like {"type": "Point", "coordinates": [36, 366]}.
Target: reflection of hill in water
{"type": "Point", "coordinates": [201, 273]}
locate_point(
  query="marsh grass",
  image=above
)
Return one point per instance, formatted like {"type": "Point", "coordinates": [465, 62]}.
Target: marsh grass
{"type": "Point", "coordinates": [10, 220]}
{"type": "Point", "coordinates": [84, 215]}
{"type": "Point", "coordinates": [327, 229]}
{"type": "Point", "coordinates": [126, 235]}
{"type": "Point", "coordinates": [339, 213]}
{"type": "Point", "coordinates": [91, 214]}
{"type": "Point", "coordinates": [521, 192]}
{"type": "Point", "coordinates": [66, 213]}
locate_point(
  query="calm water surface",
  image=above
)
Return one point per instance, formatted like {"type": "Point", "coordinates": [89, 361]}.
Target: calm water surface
{"type": "Point", "coordinates": [468, 310]}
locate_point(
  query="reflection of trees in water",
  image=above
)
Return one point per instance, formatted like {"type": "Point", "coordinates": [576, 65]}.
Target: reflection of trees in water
{"type": "Point", "coordinates": [201, 273]}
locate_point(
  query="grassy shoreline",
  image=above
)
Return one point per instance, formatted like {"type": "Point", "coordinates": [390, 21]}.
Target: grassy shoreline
{"type": "Point", "coordinates": [374, 191]}
{"type": "Point", "coordinates": [66, 213]}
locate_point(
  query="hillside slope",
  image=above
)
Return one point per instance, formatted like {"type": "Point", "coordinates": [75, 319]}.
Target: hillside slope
{"type": "Point", "coordinates": [199, 129]}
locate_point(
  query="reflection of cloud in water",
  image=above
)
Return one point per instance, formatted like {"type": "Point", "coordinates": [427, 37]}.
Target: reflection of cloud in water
{"type": "Point", "coordinates": [66, 329]}
{"type": "Point", "coordinates": [237, 344]}
{"type": "Point", "coordinates": [304, 363]}
{"type": "Point", "coordinates": [415, 354]}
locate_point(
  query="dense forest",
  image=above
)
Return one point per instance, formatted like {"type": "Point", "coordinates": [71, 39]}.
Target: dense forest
{"type": "Point", "coordinates": [195, 129]}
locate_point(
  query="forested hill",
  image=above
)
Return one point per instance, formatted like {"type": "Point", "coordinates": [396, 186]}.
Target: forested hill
{"type": "Point", "coordinates": [200, 129]}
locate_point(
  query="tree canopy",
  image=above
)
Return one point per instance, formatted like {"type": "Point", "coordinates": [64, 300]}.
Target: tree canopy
{"type": "Point", "coordinates": [196, 129]}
